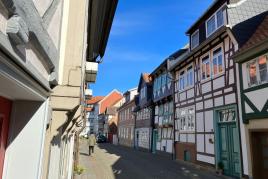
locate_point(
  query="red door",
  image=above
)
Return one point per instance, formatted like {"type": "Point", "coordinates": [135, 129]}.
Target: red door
{"type": "Point", "coordinates": [5, 109]}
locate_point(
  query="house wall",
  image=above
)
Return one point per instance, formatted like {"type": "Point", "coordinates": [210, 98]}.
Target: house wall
{"type": "Point", "coordinates": [164, 125]}
{"type": "Point", "coordinates": [72, 58]}
{"type": "Point", "coordinates": [126, 123]}
{"type": "Point", "coordinates": [143, 141]}
{"type": "Point", "coordinates": [251, 120]}
{"type": "Point", "coordinates": [204, 97]}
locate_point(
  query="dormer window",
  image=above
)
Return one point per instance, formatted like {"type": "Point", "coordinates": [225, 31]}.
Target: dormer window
{"type": "Point", "coordinates": [215, 22]}
{"type": "Point", "coordinates": [195, 39]}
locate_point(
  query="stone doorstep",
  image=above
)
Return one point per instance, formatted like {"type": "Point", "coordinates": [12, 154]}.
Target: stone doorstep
{"type": "Point", "coordinates": [209, 169]}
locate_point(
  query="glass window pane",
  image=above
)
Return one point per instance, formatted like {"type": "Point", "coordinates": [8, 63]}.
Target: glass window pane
{"type": "Point", "coordinates": [203, 71]}
{"type": "Point", "coordinates": [252, 73]}
{"type": "Point", "coordinates": [219, 18]}
{"type": "Point", "coordinates": [164, 79]}
{"type": "Point", "coordinates": [211, 25]}
{"type": "Point", "coordinates": [263, 68]}
{"type": "Point", "coordinates": [195, 39]}
{"type": "Point", "coordinates": [215, 66]}
{"type": "Point", "coordinates": [220, 63]}
{"type": "Point", "coordinates": [207, 70]}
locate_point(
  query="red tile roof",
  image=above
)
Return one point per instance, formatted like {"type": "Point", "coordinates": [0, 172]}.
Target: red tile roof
{"type": "Point", "coordinates": [94, 99]}
{"type": "Point", "coordinates": [110, 100]}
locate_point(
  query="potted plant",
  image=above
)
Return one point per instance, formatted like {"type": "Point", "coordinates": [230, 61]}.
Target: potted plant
{"type": "Point", "coordinates": [78, 170]}
{"type": "Point", "coordinates": [220, 167]}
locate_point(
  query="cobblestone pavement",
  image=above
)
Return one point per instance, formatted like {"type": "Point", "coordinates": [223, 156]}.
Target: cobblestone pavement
{"type": "Point", "coordinates": [110, 162]}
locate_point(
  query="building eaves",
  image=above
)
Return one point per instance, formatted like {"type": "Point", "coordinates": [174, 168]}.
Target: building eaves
{"type": "Point", "coordinates": [258, 41]}
{"type": "Point", "coordinates": [202, 45]}
{"type": "Point", "coordinates": [201, 18]}
{"type": "Point", "coordinates": [244, 18]}
{"type": "Point", "coordinates": [126, 104]}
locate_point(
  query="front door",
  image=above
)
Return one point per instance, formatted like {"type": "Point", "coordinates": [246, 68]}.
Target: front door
{"type": "Point", "coordinates": [260, 154]}
{"type": "Point", "coordinates": [229, 145]}
{"type": "Point", "coordinates": [5, 108]}
{"type": "Point", "coordinates": [155, 136]}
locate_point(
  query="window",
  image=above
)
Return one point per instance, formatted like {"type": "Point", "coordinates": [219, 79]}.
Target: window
{"type": "Point", "coordinates": [262, 62]}
{"type": "Point", "coordinates": [190, 76]}
{"type": "Point", "coordinates": [211, 25]}
{"type": "Point", "coordinates": [227, 115]}
{"type": "Point", "coordinates": [220, 19]}
{"type": "Point", "coordinates": [164, 79]}
{"type": "Point", "coordinates": [143, 92]}
{"type": "Point", "coordinates": [257, 71]}
{"type": "Point", "coordinates": [186, 120]}
{"type": "Point", "coordinates": [205, 68]}
{"type": "Point", "coordinates": [195, 39]}
{"type": "Point", "coordinates": [215, 22]}
{"type": "Point", "coordinates": [217, 62]}
{"type": "Point", "coordinates": [181, 81]}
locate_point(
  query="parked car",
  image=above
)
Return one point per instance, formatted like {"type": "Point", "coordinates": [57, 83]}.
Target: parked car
{"type": "Point", "coordinates": [101, 139]}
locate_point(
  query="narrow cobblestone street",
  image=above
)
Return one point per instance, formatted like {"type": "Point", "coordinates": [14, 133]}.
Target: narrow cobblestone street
{"type": "Point", "coordinates": [109, 161]}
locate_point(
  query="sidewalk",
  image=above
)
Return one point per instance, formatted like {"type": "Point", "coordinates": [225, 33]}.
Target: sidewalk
{"type": "Point", "coordinates": [97, 165]}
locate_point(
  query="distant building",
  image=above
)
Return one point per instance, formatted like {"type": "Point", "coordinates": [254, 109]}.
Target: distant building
{"type": "Point", "coordinates": [163, 108]}
{"type": "Point", "coordinates": [92, 108]}
{"type": "Point", "coordinates": [126, 119]}
{"type": "Point", "coordinates": [144, 114]}
{"type": "Point", "coordinates": [114, 98]}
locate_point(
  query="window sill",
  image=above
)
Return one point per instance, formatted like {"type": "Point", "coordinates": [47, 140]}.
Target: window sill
{"type": "Point", "coordinates": [185, 89]}
{"type": "Point", "coordinates": [187, 131]}
{"type": "Point", "coordinates": [217, 75]}
{"type": "Point", "coordinates": [205, 80]}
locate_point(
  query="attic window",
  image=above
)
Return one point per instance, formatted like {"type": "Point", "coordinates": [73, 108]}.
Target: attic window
{"type": "Point", "coordinates": [195, 39]}
{"type": "Point", "coordinates": [215, 22]}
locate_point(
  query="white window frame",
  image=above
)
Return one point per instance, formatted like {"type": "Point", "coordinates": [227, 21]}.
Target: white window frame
{"type": "Point", "coordinates": [182, 77]}
{"type": "Point", "coordinates": [187, 119]}
{"type": "Point", "coordinates": [255, 60]}
{"type": "Point", "coordinates": [187, 73]}
{"type": "Point", "coordinates": [216, 21]}
{"type": "Point", "coordinates": [201, 69]}
{"type": "Point", "coordinates": [196, 32]}
{"type": "Point", "coordinates": [223, 61]}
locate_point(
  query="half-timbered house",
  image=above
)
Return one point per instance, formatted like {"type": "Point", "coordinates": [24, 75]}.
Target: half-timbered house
{"type": "Point", "coordinates": [163, 135]}
{"type": "Point", "coordinates": [252, 58]}
{"type": "Point", "coordinates": [206, 119]}
{"type": "Point", "coordinates": [126, 119]}
{"type": "Point", "coordinates": [144, 111]}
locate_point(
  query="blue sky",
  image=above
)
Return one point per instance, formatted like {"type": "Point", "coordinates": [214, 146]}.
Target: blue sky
{"type": "Point", "coordinates": [143, 34]}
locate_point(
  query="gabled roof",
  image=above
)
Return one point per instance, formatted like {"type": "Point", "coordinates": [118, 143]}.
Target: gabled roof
{"type": "Point", "coordinates": [205, 15]}
{"type": "Point", "coordinates": [109, 100]}
{"type": "Point", "coordinates": [161, 66]}
{"type": "Point", "coordinates": [144, 77]}
{"type": "Point", "coordinates": [257, 36]}
{"type": "Point", "coordinates": [260, 32]}
{"type": "Point", "coordinates": [94, 99]}
{"type": "Point", "coordinates": [130, 90]}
